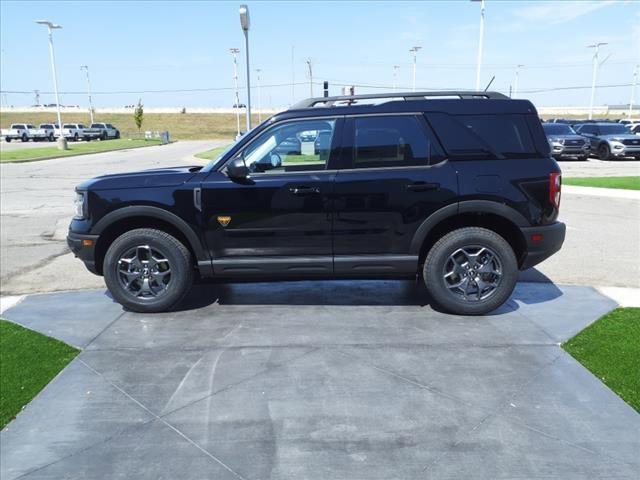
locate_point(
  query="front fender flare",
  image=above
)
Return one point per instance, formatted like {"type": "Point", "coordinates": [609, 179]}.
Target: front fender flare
{"type": "Point", "coordinates": [153, 212]}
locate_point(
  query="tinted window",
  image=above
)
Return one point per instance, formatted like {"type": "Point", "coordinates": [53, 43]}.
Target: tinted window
{"type": "Point", "coordinates": [109, 125]}
{"type": "Point", "coordinates": [293, 146]}
{"type": "Point", "coordinates": [97, 125]}
{"type": "Point", "coordinates": [613, 129]}
{"type": "Point", "coordinates": [557, 129]}
{"type": "Point", "coordinates": [587, 129]}
{"type": "Point", "coordinates": [17, 126]}
{"type": "Point", "coordinates": [393, 141]}
{"type": "Point", "coordinates": [46, 125]}
{"type": "Point", "coordinates": [68, 125]}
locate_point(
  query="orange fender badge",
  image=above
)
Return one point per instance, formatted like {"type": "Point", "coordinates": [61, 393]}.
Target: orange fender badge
{"type": "Point", "coordinates": [224, 220]}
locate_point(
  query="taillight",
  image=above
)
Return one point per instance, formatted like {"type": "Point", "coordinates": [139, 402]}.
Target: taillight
{"type": "Point", "coordinates": [555, 185]}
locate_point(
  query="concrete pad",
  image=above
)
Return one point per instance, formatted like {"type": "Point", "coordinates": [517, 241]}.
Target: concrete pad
{"type": "Point", "coordinates": [75, 318]}
{"type": "Point", "coordinates": [499, 449]}
{"type": "Point", "coordinates": [138, 453]}
{"type": "Point", "coordinates": [76, 410]}
{"type": "Point", "coordinates": [601, 192]}
{"type": "Point", "coordinates": [569, 403]}
{"type": "Point", "coordinates": [325, 416]}
{"type": "Point", "coordinates": [321, 380]}
{"type": "Point", "coordinates": [165, 380]}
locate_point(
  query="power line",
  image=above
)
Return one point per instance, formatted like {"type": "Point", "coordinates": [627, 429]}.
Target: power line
{"type": "Point", "coordinates": [180, 90]}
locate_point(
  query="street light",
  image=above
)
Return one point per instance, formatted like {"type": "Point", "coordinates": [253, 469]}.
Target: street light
{"type": "Point", "coordinates": [596, 46]}
{"type": "Point", "coordinates": [515, 83]}
{"type": "Point", "coordinates": [414, 50]}
{"type": "Point", "coordinates": [633, 90]}
{"type": "Point", "coordinates": [258, 70]}
{"type": "Point", "coordinates": [480, 41]}
{"type": "Point", "coordinates": [395, 76]}
{"type": "Point", "coordinates": [234, 52]}
{"type": "Point", "coordinates": [86, 69]}
{"type": "Point", "coordinates": [62, 142]}
{"type": "Point", "coordinates": [244, 23]}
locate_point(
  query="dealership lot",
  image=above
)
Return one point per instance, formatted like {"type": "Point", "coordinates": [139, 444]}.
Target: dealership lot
{"type": "Point", "coordinates": [321, 380]}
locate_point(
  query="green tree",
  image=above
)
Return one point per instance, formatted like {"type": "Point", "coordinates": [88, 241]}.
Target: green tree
{"type": "Point", "coordinates": [138, 115]}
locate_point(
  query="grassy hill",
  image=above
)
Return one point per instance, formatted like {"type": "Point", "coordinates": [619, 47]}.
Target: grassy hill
{"type": "Point", "coordinates": [187, 126]}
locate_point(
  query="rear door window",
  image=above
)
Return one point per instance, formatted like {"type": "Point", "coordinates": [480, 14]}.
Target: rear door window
{"type": "Point", "coordinates": [392, 141]}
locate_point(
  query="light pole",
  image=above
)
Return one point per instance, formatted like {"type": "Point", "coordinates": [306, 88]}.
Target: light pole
{"type": "Point", "coordinates": [258, 70]}
{"type": "Point", "coordinates": [86, 69]}
{"type": "Point", "coordinates": [596, 46]}
{"type": "Point", "coordinates": [633, 90]}
{"type": "Point", "coordinates": [62, 142]}
{"type": "Point", "coordinates": [309, 66]}
{"type": "Point", "coordinates": [414, 50]}
{"type": "Point", "coordinates": [480, 41]}
{"type": "Point", "coordinates": [515, 83]}
{"type": "Point", "coordinates": [234, 52]}
{"type": "Point", "coordinates": [395, 76]}
{"type": "Point", "coordinates": [244, 23]}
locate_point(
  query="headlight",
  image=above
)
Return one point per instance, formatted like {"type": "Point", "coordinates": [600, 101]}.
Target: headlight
{"type": "Point", "coordinates": [81, 205]}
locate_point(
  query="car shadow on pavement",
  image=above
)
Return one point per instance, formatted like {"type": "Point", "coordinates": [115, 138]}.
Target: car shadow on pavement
{"type": "Point", "coordinates": [348, 293]}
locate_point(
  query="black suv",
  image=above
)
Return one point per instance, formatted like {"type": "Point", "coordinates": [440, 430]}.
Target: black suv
{"type": "Point", "coordinates": [456, 188]}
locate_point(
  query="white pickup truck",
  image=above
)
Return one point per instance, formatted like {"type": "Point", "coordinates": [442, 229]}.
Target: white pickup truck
{"type": "Point", "coordinates": [102, 131]}
{"type": "Point", "coordinates": [73, 131]}
{"type": "Point", "coordinates": [46, 131]}
{"type": "Point", "coordinates": [19, 131]}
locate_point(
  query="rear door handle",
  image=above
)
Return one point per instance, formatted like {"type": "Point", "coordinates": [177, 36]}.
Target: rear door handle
{"type": "Point", "coordinates": [422, 186]}
{"type": "Point", "coordinates": [301, 191]}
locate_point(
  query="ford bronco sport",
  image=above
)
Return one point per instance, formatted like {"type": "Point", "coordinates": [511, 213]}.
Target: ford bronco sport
{"type": "Point", "coordinates": [457, 189]}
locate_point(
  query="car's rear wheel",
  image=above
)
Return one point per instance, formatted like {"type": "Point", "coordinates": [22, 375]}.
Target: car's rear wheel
{"type": "Point", "coordinates": [604, 153]}
{"type": "Point", "coordinates": [148, 270]}
{"type": "Point", "coordinates": [470, 271]}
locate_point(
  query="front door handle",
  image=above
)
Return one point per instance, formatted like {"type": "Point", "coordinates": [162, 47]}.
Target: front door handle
{"type": "Point", "coordinates": [301, 191]}
{"type": "Point", "coordinates": [422, 186]}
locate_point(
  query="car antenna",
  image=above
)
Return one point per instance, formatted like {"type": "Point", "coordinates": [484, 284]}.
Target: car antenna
{"type": "Point", "coordinates": [490, 82]}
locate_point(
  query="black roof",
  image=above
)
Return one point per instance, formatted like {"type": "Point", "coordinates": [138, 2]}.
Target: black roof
{"type": "Point", "coordinates": [455, 102]}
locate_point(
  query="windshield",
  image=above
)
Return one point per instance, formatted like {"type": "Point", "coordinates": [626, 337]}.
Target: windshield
{"type": "Point", "coordinates": [613, 129]}
{"type": "Point", "coordinates": [557, 129]}
{"type": "Point", "coordinates": [97, 125]}
{"type": "Point", "coordinates": [68, 125]}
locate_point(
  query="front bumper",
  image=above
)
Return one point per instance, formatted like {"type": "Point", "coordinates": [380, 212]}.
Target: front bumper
{"type": "Point", "coordinates": [83, 247]}
{"type": "Point", "coordinates": [570, 151]}
{"type": "Point", "coordinates": [542, 242]}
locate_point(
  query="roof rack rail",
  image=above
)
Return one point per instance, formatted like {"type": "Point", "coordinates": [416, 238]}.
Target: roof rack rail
{"type": "Point", "coordinates": [330, 101]}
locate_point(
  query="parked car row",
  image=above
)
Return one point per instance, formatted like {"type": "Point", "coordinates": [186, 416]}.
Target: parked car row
{"type": "Point", "coordinates": [606, 139]}
{"type": "Point", "coordinates": [50, 131]}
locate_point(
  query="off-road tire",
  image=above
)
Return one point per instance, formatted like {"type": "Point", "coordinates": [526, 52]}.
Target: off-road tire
{"type": "Point", "coordinates": [438, 256]}
{"type": "Point", "coordinates": [178, 256]}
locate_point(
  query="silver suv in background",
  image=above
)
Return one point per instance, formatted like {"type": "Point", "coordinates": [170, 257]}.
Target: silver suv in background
{"type": "Point", "coordinates": [610, 140]}
{"type": "Point", "coordinates": [565, 142]}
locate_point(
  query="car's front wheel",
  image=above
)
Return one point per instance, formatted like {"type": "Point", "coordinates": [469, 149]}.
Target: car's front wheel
{"type": "Point", "coordinates": [148, 270]}
{"type": "Point", "coordinates": [604, 153]}
{"type": "Point", "coordinates": [470, 271]}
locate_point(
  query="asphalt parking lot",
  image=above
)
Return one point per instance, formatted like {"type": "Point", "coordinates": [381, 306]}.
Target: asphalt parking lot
{"type": "Point", "coordinates": [321, 380]}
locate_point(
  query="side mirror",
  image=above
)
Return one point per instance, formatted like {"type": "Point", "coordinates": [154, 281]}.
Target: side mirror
{"type": "Point", "coordinates": [237, 169]}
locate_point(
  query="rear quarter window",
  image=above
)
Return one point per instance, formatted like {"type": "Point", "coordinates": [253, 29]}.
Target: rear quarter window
{"type": "Point", "coordinates": [508, 136]}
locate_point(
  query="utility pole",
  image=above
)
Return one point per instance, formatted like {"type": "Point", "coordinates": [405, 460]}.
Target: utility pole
{"type": "Point", "coordinates": [480, 42]}
{"type": "Point", "coordinates": [395, 76]}
{"type": "Point", "coordinates": [86, 69]}
{"type": "Point", "coordinates": [309, 66]}
{"type": "Point", "coordinates": [634, 83]}
{"type": "Point", "coordinates": [596, 52]}
{"type": "Point", "coordinates": [414, 50]}
{"type": "Point", "coordinates": [244, 23]}
{"type": "Point", "coordinates": [515, 83]}
{"type": "Point", "coordinates": [234, 52]}
{"type": "Point", "coordinates": [293, 76]}
{"type": "Point", "coordinates": [62, 142]}
{"type": "Point", "coordinates": [258, 70]}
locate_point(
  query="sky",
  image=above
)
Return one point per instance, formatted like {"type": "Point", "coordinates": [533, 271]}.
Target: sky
{"type": "Point", "coordinates": [155, 51]}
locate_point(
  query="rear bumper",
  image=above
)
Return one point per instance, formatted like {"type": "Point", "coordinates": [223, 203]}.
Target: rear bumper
{"type": "Point", "coordinates": [542, 242]}
{"type": "Point", "coordinates": [83, 247]}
